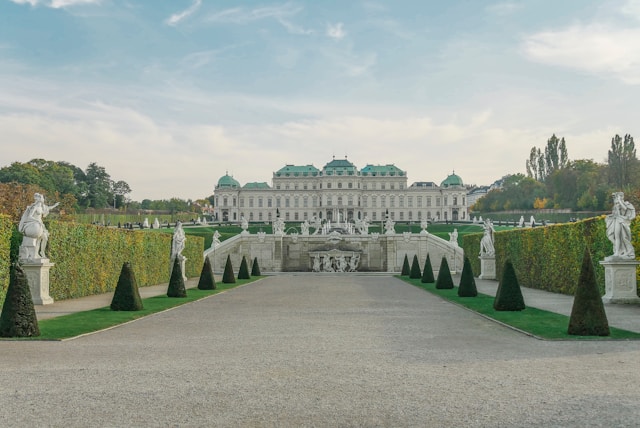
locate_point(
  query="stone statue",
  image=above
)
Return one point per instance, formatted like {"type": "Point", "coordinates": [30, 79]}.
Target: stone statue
{"type": "Point", "coordinates": [316, 263]}
{"type": "Point", "coordinates": [304, 227]}
{"type": "Point", "coordinates": [327, 265]}
{"type": "Point", "coordinates": [353, 263]}
{"type": "Point", "coordinates": [453, 237]}
{"type": "Point", "coordinates": [521, 222]}
{"type": "Point", "coordinates": [389, 227]}
{"type": "Point", "coordinates": [618, 227]}
{"type": "Point", "coordinates": [486, 243]}
{"type": "Point", "coordinates": [278, 226]}
{"type": "Point", "coordinates": [341, 264]}
{"type": "Point", "coordinates": [216, 239]}
{"type": "Point", "coordinates": [156, 224]}
{"type": "Point", "coordinates": [145, 224]}
{"type": "Point", "coordinates": [178, 241]}
{"type": "Point", "coordinates": [317, 224]}
{"type": "Point", "coordinates": [36, 236]}
{"type": "Point", "coordinates": [532, 221]}
{"type": "Point", "coordinates": [244, 225]}
{"type": "Point", "coordinates": [424, 223]}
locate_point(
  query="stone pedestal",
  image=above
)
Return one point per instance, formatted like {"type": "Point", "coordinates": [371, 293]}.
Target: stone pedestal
{"type": "Point", "coordinates": [37, 273]}
{"type": "Point", "coordinates": [620, 281]}
{"type": "Point", "coordinates": [487, 267]}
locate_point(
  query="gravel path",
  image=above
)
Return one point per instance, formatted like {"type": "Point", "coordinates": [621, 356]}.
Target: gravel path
{"type": "Point", "coordinates": [313, 350]}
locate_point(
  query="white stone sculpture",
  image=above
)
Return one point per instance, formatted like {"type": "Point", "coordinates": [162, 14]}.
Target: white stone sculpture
{"type": "Point", "coordinates": [177, 245]}
{"type": "Point", "coordinates": [36, 235]}
{"type": "Point", "coordinates": [353, 263]}
{"type": "Point", "coordinates": [244, 225]}
{"type": "Point", "coordinates": [304, 227]}
{"type": "Point", "coordinates": [423, 225]}
{"type": "Point", "coordinates": [317, 224]}
{"type": "Point", "coordinates": [145, 224]}
{"type": "Point", "coordinates": [156, 224]}
{"type": "Point", "coordinates": [215, 242]}
{"type": "Point", "coordinates": [532, 221]}
{"type": "Point", "coordinates": [316, 263]}
{"type": "Point", "coordinates": [327, 264]}
{"type": "Point", "coordinates": [363, 225]}
{"type": "Point", "coordinates": [341, 264]}
{"type": "Point", "coordinates": [389, 227]}
{"type": "Point", "coordinates": [486, 243]}
{"type": "Point", "coordinates": [453, 237]}
{"type": "Point", "coordinates": [618, 228]}
{"type": "Point", "coordinates": [278, 226]}
{"type": "Point", "coordinates": [521, 222]}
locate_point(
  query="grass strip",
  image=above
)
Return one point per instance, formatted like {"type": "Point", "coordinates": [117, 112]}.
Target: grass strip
{"type": "Point", "coordinates": [537, 322]}
{"type": "Point", "coordinates": [77, 324]}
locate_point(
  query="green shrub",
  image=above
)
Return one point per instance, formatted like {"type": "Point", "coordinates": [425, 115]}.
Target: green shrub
{"type": "Point", "coordinates": [7, 231]}
{"type": "Point", "coordinates": [406, 270]}
{"type": "Point", "coordinates": [176, 283]}
{"type": "Point", "coordinates": [255, 268]}
{"type": "Point", "coordinates": [243, 272]}
{"type": "Point", "coordinates": [427, 272]}
{"type": "Point", "coordinates": [588, 317]}
{"type": "Point", "coordinates": [415, 269]}
{"type": "Point", "coordinates": [228, 276]}
{"type": "Point", "coordinates": [444, 275]}
{"type": "Point", "coordinates": [18, 318]}
{"type": "Point", "coordinates": [207, 280]}
{"type": "Point", "coordinates": [126, 297]}
{"type": "Point", "coordinates": [467, 287]}
{"type": "Point", "coordinates": [509, 296]}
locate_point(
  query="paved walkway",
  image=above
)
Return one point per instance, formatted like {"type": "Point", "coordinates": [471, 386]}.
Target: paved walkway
{"type": "Point", "coordinates": [622, 316]}
{"type": "Point", "coordinates": [318, 351]}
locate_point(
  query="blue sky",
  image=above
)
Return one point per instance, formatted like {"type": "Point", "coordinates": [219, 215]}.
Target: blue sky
{"type": "Point", "coordinates": [170, 95]}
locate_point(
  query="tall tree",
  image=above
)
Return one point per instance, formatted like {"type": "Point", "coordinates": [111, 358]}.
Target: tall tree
{"type": "Point", "coordinates": [622, 161]}
{"type": "Point", "coordinates": [120, 190]}
{"type": "Point", "coordinates": [540, 164]}
{"type": "Point", "coordinates": [98, 187]}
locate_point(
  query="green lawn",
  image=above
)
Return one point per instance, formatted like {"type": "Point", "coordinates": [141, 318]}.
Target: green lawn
{"type": "Point", "coordinates": [72, 325]}
{"type": "Point", "coordinates": [539, 323]}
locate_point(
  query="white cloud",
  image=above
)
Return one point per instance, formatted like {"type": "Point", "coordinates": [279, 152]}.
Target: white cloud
{"type": "Point", "coordinates": [336, 31]}
{"type": "Point", "coordinates": [57, 4]}
{"type": "Point", "coordinates": [31, 2]}
{"type": "Point", "coordinates": [503, 9]}
{"type": "Point", "coordinates": [280, 13]}
{"type": "Point", "coordinates": [176, 18]}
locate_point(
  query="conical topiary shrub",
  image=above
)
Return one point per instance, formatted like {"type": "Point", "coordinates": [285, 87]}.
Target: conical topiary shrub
{"type": "Point", "coordinates": [18, 318]}
{"type": "Point", "coordinates": [206, 281]}
{"type": "Point", "coordinates": [227, 276]}
{"type": "Point", "coordinates": [415, 269]}
{"type": "Point", "coordinates": [444, 280]}
{"type": "Point", "coordinates": [588, 317]}
{"type": "Point", "coordinates": [467, 286]}
{"type": "Point", "coordinates": [509, 296]}
{"type": "Point", "coordinates": [243, 273]}
{"type": "Point", "coordinates": [126, 297]}
{"type": "Point", "coordinates": [406, 270]}
{"type": "Point", "coordinates": [255, 268]}
{"type": "Point", "coordinates": [427, 272]}
{"type": "Point", "coordinates": [176, 283]}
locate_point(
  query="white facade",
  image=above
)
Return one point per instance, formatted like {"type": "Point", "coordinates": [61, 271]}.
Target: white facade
{"type": "Point", "coordinates": [340, 191]}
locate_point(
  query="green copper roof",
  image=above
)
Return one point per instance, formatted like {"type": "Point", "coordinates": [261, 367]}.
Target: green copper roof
{"type": "Point", "coordinates": [382, 170]}
{"type": "Point", "coordinates": [256, 185]}
{"type": "Point", "coordinates": [340, 167]}
{"type": "Point", "coordinates": [452, 180]}
{"type": "Point", "coordinates": [228, 181]}
{"type": "Point", "coordinates": [297, 171]}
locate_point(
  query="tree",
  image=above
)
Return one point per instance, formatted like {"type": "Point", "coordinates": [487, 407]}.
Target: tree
{"type": "Point", "coordinates": [18, 318]}
{"type": "Point", "coordinates": [228, 276]}
{"type": "Point", "coordinates": [467, 287]}
{"type": "Point", "coordinates": [406, 270]}
{"type": "Point", "coordinates": [255, 268]}
{"type": "Point", "coordinates": [509, 296]}
{"type": "Point", "coordinates": [415, 269]}
{"type": "Point", "coordinates": [588, 317]}
{"type": "Point", "coordinates": [126, 296]}
{"type": "Point", "coordinates": [444, 280]}
{"type": "Point", "coordinates": [622, 161]}
{"type": "Point", "coordinates": [207, 280]}
{"type": "Point", "coordinates": [542, 164]}
{"type": "Point", "coordinates": [427, 272]}
{"type": "Point", "coordinates": [119, 189]}
{"type": "Point", "coordinates": [243, 272]}
{"type": "Point", "coordinates": [176, 282]}
{"type": "Point", "coordinates": [98, 187]}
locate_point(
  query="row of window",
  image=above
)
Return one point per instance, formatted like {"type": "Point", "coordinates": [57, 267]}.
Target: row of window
{"type": "Point", "coordinates": [373, 216]}
{"type": "Point", "coordinates": [340, 185]}
{"type": "Point", "coordinates": [329, 200]}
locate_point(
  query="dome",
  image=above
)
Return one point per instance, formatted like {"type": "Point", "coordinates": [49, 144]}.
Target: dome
{"type": "Point", "coordinates": [228, 181]}
{"type": "Point", "coordinates": [452, 180]}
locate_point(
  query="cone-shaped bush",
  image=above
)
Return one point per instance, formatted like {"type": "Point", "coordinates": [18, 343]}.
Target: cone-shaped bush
{"type": "Point", "coordinates": [444, 275]}
{"type": "Point", "coordinates": [18, 318]}
{"type": "Point", "coordinates": [176, 283]}
{"type": "Point", "coordinates": [415, 269]}
{"type": "Point", "coordinates": [227, 276]}
{"type": "Point", "coordinates": [243, 273]}
{"type": "Point", "coordinates": [126, 297]}
{"type": "Point", "coordinates": [206, 281]}
{"type": "Point", "coordinates": [588, 317]}
{"type": "Point", "coordinates": [467, 286]}
{"type": "Point", "coordinates": [406, 270]}
{"type": "Point", "coordinates": [509, 296]}
{"type": "Point", "coordinates": [427, 272]}
{"type": "Point", "coordinates": [255, 268]}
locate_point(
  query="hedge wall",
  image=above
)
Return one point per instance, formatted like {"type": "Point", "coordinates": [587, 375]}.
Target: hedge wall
{"type": "Point", "coordinates": [88, 259]}
{"type": "Point", "coordinates": [6, 228]}
{"type": "Point", "coordinates": [549, 258]}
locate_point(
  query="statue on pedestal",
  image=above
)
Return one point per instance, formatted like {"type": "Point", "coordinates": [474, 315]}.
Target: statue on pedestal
{"type": "Point", "coordinates": [36, 235]}
{"type": "Point", "coordinates": [486, 243]}
{"type": "Point", "coordinates": [619, 229]}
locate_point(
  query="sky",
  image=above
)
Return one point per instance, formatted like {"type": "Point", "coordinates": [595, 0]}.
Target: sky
{"type": "Point", "coordinates": [170, 95]}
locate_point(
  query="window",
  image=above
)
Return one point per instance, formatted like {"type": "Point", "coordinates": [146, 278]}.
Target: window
{"type": "Point", "coordinates": [419, 202]}
{"type": "Point", "coordinates": [305, 215]}
{"type": "Point", "coordinates": [242, 202]}
{"type": "Point", "coordinates": [251, 216]}
{"type": "Point", "coordinates": [339, 200]}
{"type": "Point", "coordinates": [277, 187]}
{"type": "Point", "coordinates": [374, 201]}
{"type": "Point", "coordinates": [295, 186]}
{"type": "Point", "coordinates": [250, 202]}
{"type": "Point", "coordinates": [429, 202]}
{"type": "Point", "coordinates": [393, 215]}
{"type": "Point", "coordinates": [437, 201]}
{"type": "Point", "coordinates": [383, 201]}
{"type": "Point", "coordinates": [410, 201]}
{"type": "Point", "coordinates": [350, 185]}
{"type": "Point", "coordinates": [260, 202]}
{"type": "Point", "coordinates": [269, 202]}
{"type": "Point", "coordinates": [401, 215]}
{"type": "Point", "coordinates": [234, 204]}
{"type": "Point", "coordinates": [304, 186]}
{"type": "Point", "coordinates": [295, 216]}
{"type": "Point", "coordinates": [287, 202]}
{"type": "Point", "coordinates": [410, 215]}
{"type": "Point", "coordinates": [383, 186]}
{"type": "Point", "coordinates": [401, 198]}
{"type": "Point", "coordinates": [286, 216]}
{"type": "Point", "coordinates": [328, 185]}
{"type": "Point", "coordinates": [305, 202]}
{"type": "Point", "coordinates": [350, 201]}
{"type": "Point", "coordinates": [373, 215]}
{"type": "Point", "coordinates": [339, 185]}
{"type": "Point", "coordinates": [392, 186]}
{"type": "Point", "coordinates": [286, 186]}
{"type": "Point", "coordinates": [392, 201]}
{"type": "Point", "coordinates": [455, 200]}
{"type": "Point", "coordinates": [446, 200]}
{"type": "Point", "coordinates": [226, 201]}
{"type": "Point", "coordinates": [278, 203]}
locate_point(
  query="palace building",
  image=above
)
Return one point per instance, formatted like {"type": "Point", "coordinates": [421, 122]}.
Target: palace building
{"type": "Point", "coordinates": [340, 191]}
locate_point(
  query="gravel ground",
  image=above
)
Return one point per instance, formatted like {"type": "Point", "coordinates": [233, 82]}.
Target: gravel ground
{"type": "Point", "coordinates": [319, 351]}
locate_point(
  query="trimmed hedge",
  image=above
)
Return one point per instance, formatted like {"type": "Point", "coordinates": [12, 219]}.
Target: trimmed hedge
{"type": "Point", "coordinates": [88, 258]}
{"type": "Point", "coordinates": [6, 230]}
{"type": "Point", "coordinates": [550, 258]}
